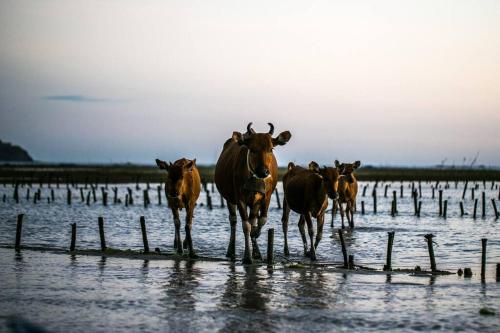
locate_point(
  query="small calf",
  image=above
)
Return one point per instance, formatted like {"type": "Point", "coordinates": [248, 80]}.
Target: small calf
{"type": "Point", "coordinates": [348, 190]}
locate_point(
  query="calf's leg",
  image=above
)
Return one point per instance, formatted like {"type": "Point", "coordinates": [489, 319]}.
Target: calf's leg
{"type": "Point", "coordinates": [231, 249]}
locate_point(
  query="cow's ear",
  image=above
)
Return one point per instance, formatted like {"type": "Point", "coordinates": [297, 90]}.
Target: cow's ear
{"type": "Point", "coordinates": [162, 164]}
{"type": "Point", "coordinates": [356, 164]}
{"type": "Point", "coordinates": [238, 137]}
{"type": "Point", "coordinates": [190, 165]}
{"type": "Point", "coordinates": [337, 164]}
{"type": "Point", "coordinates": [313, 166]}
{"type": "Point", "coordinates": [282, 139]}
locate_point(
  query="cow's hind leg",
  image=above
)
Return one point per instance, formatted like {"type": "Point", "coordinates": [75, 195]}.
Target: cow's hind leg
{"type": "Point", "coordinates": [247, 259]}
{"type": "Point", "coordinates": [310, 230]}
{"type": "Point", "coordinates": [319, 231]}
{"type": "Point", "coordinates": [302, 222]}
{"type": "Point", "coordinates": [231, 249]}
{"type": "Point", "coordinates": [334, 210]}
{"type": "Point", "coordinates": [350, 212]}
{"type": "Point", "coordinates": [189, 223]}
{"type": "Point", "coordinates": [177, 238]}
{"type": "Point", "coordinates": [255, 231]}
{"type": "Point", "coordinates": [284, 223]}
{"type": "Point", "coordinates": [341, 208]}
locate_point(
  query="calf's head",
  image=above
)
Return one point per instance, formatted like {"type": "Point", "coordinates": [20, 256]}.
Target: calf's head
{"type": "Point", "coordinates": [330, 177]}
{"type": "Point", "coordinates": [260, 148]}
{"type": "Point", "coordinates": [346, 169]}
{"type": "Point", "coordinates": [176, 175]}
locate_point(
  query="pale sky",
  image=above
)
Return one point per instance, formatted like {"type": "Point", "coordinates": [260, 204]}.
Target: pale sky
{"type": "Point", "coordinates": [384, 82]}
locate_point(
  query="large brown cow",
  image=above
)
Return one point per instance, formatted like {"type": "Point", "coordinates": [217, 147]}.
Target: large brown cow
{"type": "Point", "coordinates": [182, 189]}
{"type": "Point", "coordinates": [306, 193]}
{"type": "Point", "coordinates": [246, 175]}
{"type": "Point", "coordinates": [348, 190]}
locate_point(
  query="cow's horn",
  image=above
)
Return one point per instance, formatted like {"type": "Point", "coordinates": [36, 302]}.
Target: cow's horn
{"type": "Point", "coordinates": [249, 128]}
{"type": "Point", "coordinates": [271, 129]}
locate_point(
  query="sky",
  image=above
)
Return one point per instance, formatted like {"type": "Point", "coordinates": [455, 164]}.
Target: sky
{"type": "Point", "coordinates": [384, 82]}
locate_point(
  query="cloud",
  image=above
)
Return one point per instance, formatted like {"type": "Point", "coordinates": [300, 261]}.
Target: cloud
{"type": "Point", "coordinates": [78, 99]}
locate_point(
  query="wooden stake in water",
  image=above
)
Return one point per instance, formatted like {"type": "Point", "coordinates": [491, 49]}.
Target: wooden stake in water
{"type": "Point", "coordinates": [394, 197]}
{"type": "Point", "coordinates": [483, 211]}
{"type": "Point", "coordinates": [440, 202]}
{"type": "Point", "coordinates": [270, 247]}
{"type": "Point", "coordinates": [68, 199]}
{"type": "Point", "coordinates": [415, 207]}
{"type": "Point", "coordinates": [19, 229]}
{"type": "Point", "coordinates": [344, 250]}
{"type": "Point", "coordinates": [144, 234]}
{"type": "Point", "coordinates": [445, 208]}
{"type": "Point", "coordinates": [475, 209]}
{"type": "Point", "coordinates": [494, 208]}
{"type": "Point", "coordinates": [419, 208]}
{"type": "Point", "coordinates": [390, 241]}
{"type": "Point", "coordinates": [158, 189]}
{"type": "Point", "coordinates": [101, 233]}
{"type": "Point", "coordinates": [465, 189]}
{"type": "Point", "coordinates": [483, 258]}
{"type": "Point", "coordinates": [401, 190]}
{"type": "Point", "coordinates": [362, 208]}
{"type": "Point", "coordinates": [374, 201]}
{"type": "Point", "coordinates": [462, 208]}
{"type": "Point", "coordinates": [277, 197]}
{"type": "Point", "coordinates": [73, 237]}
{"type": "Point", "coordinates": [428, 237]}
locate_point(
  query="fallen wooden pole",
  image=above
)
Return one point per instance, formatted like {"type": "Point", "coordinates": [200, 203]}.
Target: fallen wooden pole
{"type": "Point", "coordinates": [344, 250]}
{"type": "Point", "coordinates": [270, 247]}
{"type": "Point", "coordinates": [388, 266]}
{"type": "Point", "coordinates": [101, 233]}
{"type": "Point", "coordinates": [483, 258]}
{"type": "Point", "coordinates": [73, 237]}
{"type": "Point", "coordinates": [144, 234]}
{"type": "Point", "coordinates": [19, 229]}
{"type": "Point", "coordinates": [428, 237]}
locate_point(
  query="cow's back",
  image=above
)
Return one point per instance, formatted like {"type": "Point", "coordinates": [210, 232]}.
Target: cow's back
{"type": "Point", "coordinates": [304, 191]}
{"type": "Point", "coordinates": [225, 170]}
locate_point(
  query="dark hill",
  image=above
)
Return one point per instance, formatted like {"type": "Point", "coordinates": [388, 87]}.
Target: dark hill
{"type": "Point", "coordinates": [12, 153]}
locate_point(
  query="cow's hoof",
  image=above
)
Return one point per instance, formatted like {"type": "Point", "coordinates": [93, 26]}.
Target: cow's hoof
{"type": "Point", "coordinates": [287, 253]}
{"type": "Point", "coordinates": [247, 261]}
{"type": "Point", "coordinates": [257, 256]}
{"type": "Point", "coordinates": [193, 255]}
{"type": "Point", "coordinates": [312, 254]}
{"type": "Point", "coordinates": [185, 244]}
{"type": "Point", "coordinates": [179, 250]}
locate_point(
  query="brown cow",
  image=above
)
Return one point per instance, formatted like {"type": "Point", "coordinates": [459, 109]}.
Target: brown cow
{"type": "Point", "coordinates": [306, 193]}
{"type": "Point", "coordinates": [182, 189]}
{"type": "Point", "coordinates": [348, 190]}
{"type": "Point", "coordinates": [246, 175]}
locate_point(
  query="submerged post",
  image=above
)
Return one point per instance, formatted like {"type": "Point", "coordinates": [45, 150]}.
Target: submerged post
{"type": "Point", "coordinates": [362, 208]}
{"type": "Point", "coordinates": [270, 247]}
{"type": "Point", "coordinates": [419, 208]}
{"type": "Point", "coordinates": [19, 228]}
{"type": "Point", "coordinates": [475, 209]}
{"type": "Point", "coordinates": [483, 258]}
{"type": "Point", "coordinates": [445, 208]}
{"type": "Point", "coordinates": [428, 237]}
{"type": "Point", "coordinates": [483, 211]}
{"type": "Point", "coordinates": [68, 199]}
{"type": "Point", "coordinates": [465, 189]}
{"type": "Point", "coordinates": [374, 201]}
{"type": "Point", "coordinates": [100, 220]}
{"type": "Point", "coordinates": [387, 266]}
{"type": "Point", "coordinates": [73, 237]}
{"type": "Point", "coordinates": [462, 208]}
{"type": "Point", "coordinates": [144, 234]}
{"type": "Point", "coordinates": [440, 202]}
{"type": "Point", "coordinates": [277, 197]}
{"type": "Point", "coordinates": [494, 208]}
{"type": "Point", "coordinates": [394, 197]}
{"type": "Point", "coordinates": [344, 251]}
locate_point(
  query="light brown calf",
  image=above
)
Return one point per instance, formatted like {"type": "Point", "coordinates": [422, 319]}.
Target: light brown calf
{"type": "Point", "coordinates": [348, 190]}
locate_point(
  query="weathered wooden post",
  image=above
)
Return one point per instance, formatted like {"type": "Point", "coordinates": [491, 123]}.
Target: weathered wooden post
{"type": "Point", "coordinates": [440, 202]}
{"type": "Point", "coordinates": [105, 198]}
{"type": "Point", "coordinates": [344, 250]}
{"type": "Point", "coordinates": [393, 208]}
{"type": "Point", "coordinates": [351, 261]}
{"type": "Point", "coordinates": [52, 195]}
{"type": "Point", "coordinates": [270, 247]}
{"type": "Point", "coordinates": [73, 237]}
{"type": "Point", "coordinates": [433, 192]}
{"type": "Point", "coordinates": [27, 194]}
{"type": "Point", "coordinates": [145, 198]}
{"type": "Point", "coordinates": [221, 201]}
{"type": "Point", "coordinates": [388, 266]}
{"type": "Point", "coordinates": [385, 190]}
{"type": "Point", "coordinates": [394, 197]}
{"type": "Point", "coordinates": [115, 195]}
{"type": "Point", "coordinates": [374, 201]}
{"type": "Point", "coordinates": [68, 199]}
{"type": "Point", "coordinates": [144, 234]}
{"type": "Point", "coordinates": [158, 189]}
{"type": "Point", "coordinates": [277, 197]}
{"type": "Point", "coordinates": [475, 209]}
{"type": "Point", "coordinates": [16, 192]}
{"type": "Point", "coordinates": [82, 196]}
{"type": "Point", "coordinates": [101, 233]}
{"type": "Point", "coordinates": [401, 190]}
{"type": "Point", "coordinates": [415, 207]}
{"type": "Point", "coordinates": [419, 208]}
{"type": "Point", "coordinates": [483, 205]}
{"type": "Point", "coordinates": [428, 237]}
{"type": "Point", "coordinates": [472, 193]}
{"type": "Point", "coordinates": [362, 208]}
{"type": "Point", "coordinates": [130, 196]}
{"type": "Point", "coordinates": [93, 193]}
{"type": "Point", "coordinates": [126, 200]}
{"type": "Point", "coordinates": [4, 198]}
{"type": "Point", "coordinates": [19, 229]}
{"type": "Point", "coordinates": [445, 208]}
{"type": "Point", "coordinates": [209, 200]}
{"type": "Point", "coordinates": [494, 208]}
{"type": "Point", "coordinates": [483, 258]}
{"type": "Point", "coordinates": [462, 208]}
{"type": "Point", "coordinates": [465, 189]}
{"type": "Point", "coordinates": [364, 190]}
{"type": "Point", "coordinates": [419, 189]}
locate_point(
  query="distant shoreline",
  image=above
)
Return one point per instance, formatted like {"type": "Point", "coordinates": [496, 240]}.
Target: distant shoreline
{"type": "Point", "coordinates": [132, 173]}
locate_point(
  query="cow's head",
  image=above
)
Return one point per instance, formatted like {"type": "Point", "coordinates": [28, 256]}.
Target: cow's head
{"type": "Point", "coordinates": [260, 148]}
{"type": "Point", "coordinates": [347, 169]}
{"type": "Point", "coordinates": [330, 177]}
{"type": "Point", "coordinates": [176, 173]}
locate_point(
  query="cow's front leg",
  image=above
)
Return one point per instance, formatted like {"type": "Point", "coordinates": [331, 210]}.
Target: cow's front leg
{"type": "Point", "coordinates": [284, 222]}
{"type": "Point", "coordinates": [302, 230]}
{"type": "Point", "coordinates": [189, 223]}
{"type": "Point", "coordinates": [177, 238]}
{"type": "Point", "coordinates": [310, 230]}
{"type": "Point", "coordinates": [231, 249]}
{"type": "Point", "coordinates": [319, 232]}
{"type": "Point", "coordinates": [341, 209]}
{"type": "Point", "coordinates": [246, 226]}
{"type": "Point", "coordinates": [255, 232]}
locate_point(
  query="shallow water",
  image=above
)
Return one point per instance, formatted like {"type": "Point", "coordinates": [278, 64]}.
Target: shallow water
{"type": "Point", "coordinates": [93, 294]}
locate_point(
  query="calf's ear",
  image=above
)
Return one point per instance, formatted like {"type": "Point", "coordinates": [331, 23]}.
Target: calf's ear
{"type": "Point", "coordinates": [189, 165]}
{"type": "Point", "coordinates": [162, 164]}
{"type": "Point", "coordinates": [356, 164]}
{"type": "Point", "coordinates": [238, 137]}
{"type": "Point", "coordinates": [337, 164]}
{"type": "Point", "coordinates": [282, 138]}
{"type": "Point", "coordinates": [313, 166]}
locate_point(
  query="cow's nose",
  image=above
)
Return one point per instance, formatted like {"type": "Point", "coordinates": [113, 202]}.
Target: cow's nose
{"type": "Point", "coordinates": [263, 172]}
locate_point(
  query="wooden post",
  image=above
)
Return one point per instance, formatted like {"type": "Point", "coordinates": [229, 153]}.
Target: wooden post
{"type": "Point", "coordinates": [105, 198]}
{"type": "Point", "coordinates": [52, 196]}
{"type": "Point", "coordinates": [415, 207]}
{"type": "Point", "coordinates": [472, 193]}
{"type": "Point", "coordinates": [494, 208]}
{"type": "Point", "coordinates": [115, 195]}
{"type": "Point", "coordinates": [344, 251]}
{"type": "Point", "coordinates": [158, 189]}
{"type": "Point", "coordinates": [433, 192]}
{"type": "Point", "coordinates": [498, 273]}
{"type": "Point", "coordinates": [221, 201]}
{"type": "Point", "coordinates": [419, 208]}
{"type": "Point", "coordinates": [145, 198]}
{"type": "Point", "coordinates": [465, 189]}
{"type": "Point", "coordinates": [440, 202]}
{"type": "Point", "coordinates": [351, 261]}
{"type": "Point", "coordinates": [126, 200]}
{"type": "Point", "coordinates": [401, 194]}
{"type": "Point", "coordinates": [68, 199]}
{"type": "Point", "coordinates": [209, 200]}
{"type": "Point", "coordinates": [419, 189]}
{"type": "Point", "coordinates": [19, 228]}
{"type": "Point", "coordinates": [277, 197]}
{"type": "Point", "coordinates": [475, 209]}
{"type": "Point", "coordinates": [483, 258]}
{"type": "Point", "coordinates": [144, 235]}
{"type": "Point", "coordinates": [428, 237]}
{"type": "Point", "coordinates": [130, 196]}
{"type": "Point", "coordinates": [388, 266]}
{"type": "Point", "coordinates": [101, 233]}
{"type": "Point", "coordinates": [394, 197]}
{"type": "Point", "coordinates": [73, 237]}
{"type": "Point", "coordinates": [93, 193]}
{"type": "Point", "coordinates": [82, 196]}
{"type": "Point", "coordinates": [445, 208]}
{"type": "Point", "coordinates": [374, 201]}
{"type": "Point", "coordinates": [270, 247]}
{"type": "Point", "coordinates": [364, 190]}
{"type": "Point", "coordinates": [483, 211]}
{"type": "Point", "coordinates": [393, 208]}
{"type": "Point", "coordinates": [362, 208]}
{"type": "Point", "coordinates": [462, 208]}
{"type": "Point", "coordinates": [385, 190]}
{"type": "Point", "coordinates": [27, 194]}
